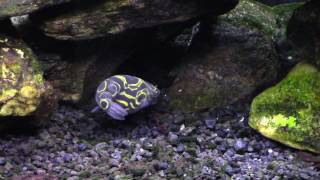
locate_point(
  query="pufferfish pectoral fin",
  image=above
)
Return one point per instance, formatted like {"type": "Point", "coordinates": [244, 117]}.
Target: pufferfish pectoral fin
{"type": "Point", "coordinates": [95, 109]}
{"type": "Point", "coordinates": [116, 111]}
{"type": "Point", "coordinates": [144, 103]}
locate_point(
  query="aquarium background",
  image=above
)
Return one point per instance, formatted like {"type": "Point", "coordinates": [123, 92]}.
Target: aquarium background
{"type": "Point", "coordinates": [150, 89]}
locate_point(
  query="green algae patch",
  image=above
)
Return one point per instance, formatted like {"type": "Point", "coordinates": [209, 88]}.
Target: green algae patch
{"type": "Point", "coordinates": [21, 81]}
{"type": "Point", "coordinates": [253, 15]}
{"type": "Point", "coordinates": [260, 17]}
{"type": "Point", "coordinates": [289, 112]}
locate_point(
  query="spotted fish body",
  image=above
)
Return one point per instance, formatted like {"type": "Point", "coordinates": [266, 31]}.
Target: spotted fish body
{"type": "Point", "coordinates": [121, 95]}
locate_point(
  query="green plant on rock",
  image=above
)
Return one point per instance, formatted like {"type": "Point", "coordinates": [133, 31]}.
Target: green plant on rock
{"type": "Point", "coordinates": [293, 104]}
{"type": "Point", "coordinates": [283, 121]}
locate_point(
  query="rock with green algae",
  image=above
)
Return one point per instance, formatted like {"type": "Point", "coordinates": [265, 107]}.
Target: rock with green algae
{"type": "Point", "coordinates": [254, 15]}
{"type": "Point", "coordinates": [260, 17]}
{"type": "Point", "coordinates": [289, 112]}
{"type": "Point", "coordinates": [23, 91]}
{"type": "Point", "coordinates": [242, 59]}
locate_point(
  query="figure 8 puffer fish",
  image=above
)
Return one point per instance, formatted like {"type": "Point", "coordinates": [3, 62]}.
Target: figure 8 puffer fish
{"type": "Point", "coordinates": [121, 95]}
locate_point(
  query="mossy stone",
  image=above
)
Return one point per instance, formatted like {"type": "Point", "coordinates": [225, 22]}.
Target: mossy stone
{"type": "Point", "coordinates": [253, 15]}
{"type": "Point", "coordinates": [289, 112]}
{"type": "Point", "coordinates": [260, 17]}
{"type": "Point", "coordinates": [21, 81]}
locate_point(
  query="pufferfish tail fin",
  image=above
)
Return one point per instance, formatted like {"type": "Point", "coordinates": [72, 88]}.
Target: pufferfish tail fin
{"type": "Point", "coordinates": [95, 109]}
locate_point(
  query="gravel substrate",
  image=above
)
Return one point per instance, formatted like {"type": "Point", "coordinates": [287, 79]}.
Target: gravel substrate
{"type": "Point", "coordinates": [211, 145]}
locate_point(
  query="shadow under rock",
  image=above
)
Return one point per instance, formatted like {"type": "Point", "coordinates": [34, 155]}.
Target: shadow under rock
{"type": "Point", "coordinates": [18, 126]}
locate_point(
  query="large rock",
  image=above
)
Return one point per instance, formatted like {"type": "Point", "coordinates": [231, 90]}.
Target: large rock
{"type": "Point", "coordinates": [253, 15]}
{"type": "Point", "coordinates": [10, 8]}
{"type": "Point", "coordinates": [290, 111]}
{"type": "Point", "coordinates": [76, 69]}
{"type": "Point", "coordinates": [23, 91]}
{"type": "Point", "coordinates": [115, 16]}
{"type": "Point", "coordinates": [76, 81]}
{"type": "Point", "coordinates": [277, 2]}
{"type": "Point", "coordinates": [304, 31]}
{"type": "Point", "coordinates": [260, 17]}
{"type": "Point", "coordinates": [229, 67]}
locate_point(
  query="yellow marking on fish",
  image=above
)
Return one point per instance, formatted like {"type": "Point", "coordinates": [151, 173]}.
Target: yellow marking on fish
{"type": "Point", "coordinates": [123, 79]}
{"type": "Point", "coordinates": [125, 103]}
{"type": "Point", "coordinates": [136, 86]}
{"type": "Point", "coordinates": [142, 92]}
{"type": "Point", "coordinates": [21, 53]}
{"type": "Point", "coordinates": [126, 85]}
{"type": "Point", "coordinates": [132, 106]}
{"type": "Point", "coordinates": [127, 95]}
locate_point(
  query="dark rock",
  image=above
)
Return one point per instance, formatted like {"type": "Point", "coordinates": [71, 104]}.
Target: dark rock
{"type": "Point", "coordinates": [213, 73]}
{"type": "Point", "coordinates": [306, 19]}
{"type": "Point", "coordinates": [173, 138]}
{"type": "Point", "coordinates": [67, 157]}
{"type": "Point", "coordinates": [101, 149]}
{"type": "Point", "coordinates": [137, 169]}
{"type": "Point", "coordinates": [116, 155]}
{"type": "Point", "coordinates": [230, 152]}
{"type": "Point", "coordinates": [82, 147]}
{"type": "Point", "coordinates": [109, 18]}
{"type": "Point", "coordinates": [161, 166]}
{"type": "Point", "coordinates": [276, 2]}
{"type": "Point", "coordinates": [125, 144]}
{"type": "Point", "coordinates": [222, 133]}
{"type": "Point", "coordinates": [229, 170]}
{"type": "Point", "coordinates": [210, 122]}
{"type": "Point", "coordinates": [180, 148]}
{"type": "Point", "coordinates": [10, 8]}
{"type": "Point", "coordinates": [2, 161]}
{"type": "Point", "coordinates": [222, 148]}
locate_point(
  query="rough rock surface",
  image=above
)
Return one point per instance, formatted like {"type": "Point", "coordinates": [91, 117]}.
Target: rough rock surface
{"type": "Point", "coordinates": [253, 15]}
{"type": "Point", "coordinates": [231, 67]}
{"type": "Point", "coordinates": [10, 8]}
{"type": "Point", "coordinates": [277, 2]}
{"type": "Point", "coordinates": [290, 111]}
{"type": "Point", "coordinates": [25, 97]}
{"type": "Point", "coordinates": [23, 88]}
{"type": "Point", "coordinates": [115, 16]}
{"type": "Point", "coordinates": [304, 31]}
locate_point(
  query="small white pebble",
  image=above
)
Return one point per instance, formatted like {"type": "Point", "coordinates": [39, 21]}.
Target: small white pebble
{"type": "Point", "coordinates": [242, 119]}
{"type": "Point", "coordinates": [73, 173]}
{"type": "Point", "coordinates": [182, 127]}
{"type": "Point", "coordinates": [162, 174]}
{"type": "Point", "coordinates": [19, 20]}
